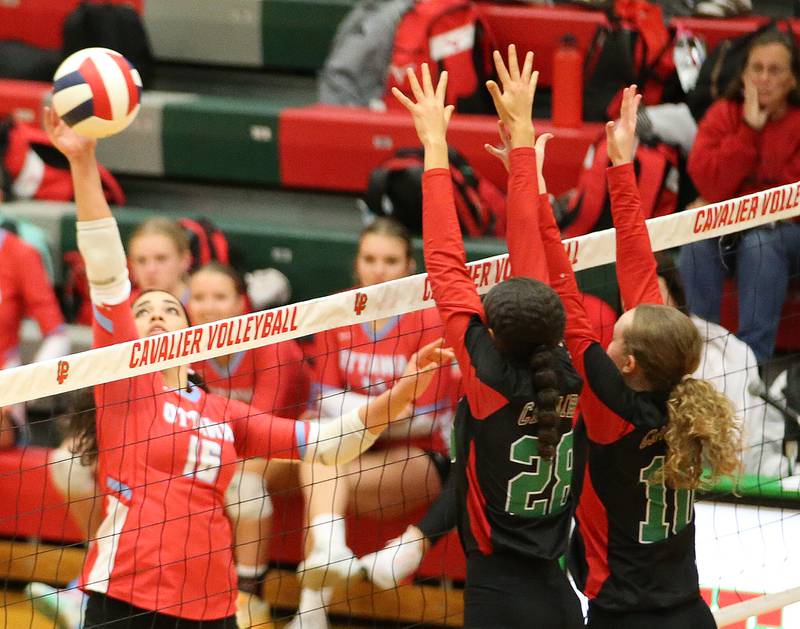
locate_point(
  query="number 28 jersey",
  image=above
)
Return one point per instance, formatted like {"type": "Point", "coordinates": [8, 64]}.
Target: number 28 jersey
{"type": "Point", "coordinates": [510, 498]}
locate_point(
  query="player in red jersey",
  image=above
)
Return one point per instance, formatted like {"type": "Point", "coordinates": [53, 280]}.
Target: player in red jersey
{"type": "Point", "coordinates": [650, 427]}
{"type": "Point", "coordinates": [25, 291]}
{"type": "Point", "coordinates": [271, 378]}
{"type": "Point", "coordinates": [513, 431]}
{"type": "Point", "coordinates": [166, 448]}
{"type": "Point", "coordinates": [407, 468]}
{"type": "Point", "coordinates": [159, 258]}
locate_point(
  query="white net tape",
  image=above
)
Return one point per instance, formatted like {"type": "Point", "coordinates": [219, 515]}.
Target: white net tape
{"type": "Point", "coordinates": [383, 300]}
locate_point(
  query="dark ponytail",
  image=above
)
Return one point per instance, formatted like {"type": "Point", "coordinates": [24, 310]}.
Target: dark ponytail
{"type": "Point", "coordinates": [545, 381]}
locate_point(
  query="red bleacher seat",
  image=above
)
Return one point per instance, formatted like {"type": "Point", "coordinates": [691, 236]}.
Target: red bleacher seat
{"type": "Point", "coordinates": [335, 148]}
{"type": "Point", "coordinates": [713, 30]}
{"type": "Point", "coordinates": [30, 507]}
{"type": "Point", "coordinates": [540, 29]}
{"type": "Point", "coordinates": [23, 99]}
{"type": "Point", "coordinates": [39, 22]}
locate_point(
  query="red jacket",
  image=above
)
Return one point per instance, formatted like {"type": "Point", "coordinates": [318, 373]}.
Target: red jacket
{"type": "Point", "coordinates": [730, 159]}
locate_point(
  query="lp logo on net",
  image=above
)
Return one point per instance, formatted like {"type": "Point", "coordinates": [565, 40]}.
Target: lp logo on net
{"type": "Point", "coordinates": [62, 371]}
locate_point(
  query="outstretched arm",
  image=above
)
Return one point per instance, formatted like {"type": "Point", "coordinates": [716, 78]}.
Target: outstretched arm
{"type": "Point", "coordinates": [514, 104]}
{"type": "Point", "coordinates": [97, 234]}
{"type": "Point", "coordinates": [452, 286]}
{"type": "Point", "coordinates": [636, 265]}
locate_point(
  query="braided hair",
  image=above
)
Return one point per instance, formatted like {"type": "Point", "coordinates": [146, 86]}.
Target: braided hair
{"type": "Point", "coordinates": [527, 320]}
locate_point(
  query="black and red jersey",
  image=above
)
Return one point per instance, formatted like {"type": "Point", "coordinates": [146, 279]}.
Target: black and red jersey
{"type": "Point", "coordinates": [633, 545]}
{"type": "Point", "coordinates": [510, 499]}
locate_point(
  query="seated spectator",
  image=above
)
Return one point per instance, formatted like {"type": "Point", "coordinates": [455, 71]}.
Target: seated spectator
{"type": "Point", "coordinates": [749, 141]}
{"type": "Point", "coordinates": [25, 291]}
{"type": "Point", "coordinates": [159, 257]}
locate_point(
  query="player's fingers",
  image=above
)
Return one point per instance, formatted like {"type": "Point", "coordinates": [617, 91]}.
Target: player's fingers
{"type": "Point", "coordinates": [527, 67]}
{"type": "Point", "coordinates": [500, 66]}
{"type": "Point", "coordinates": [513, 63]}
{"type": "Point", "coordinates": [533, 83]}
{"type": "Point", "coordinates": [427, 83]}
{"type": "Point", "coordinates": [404, 100]}
{"type": "Point", "coordinates": [416, 90]}
{"type": "Point", "coordinates": [441, 87]}
{"type": "Point", "coordinates": [448, 113]}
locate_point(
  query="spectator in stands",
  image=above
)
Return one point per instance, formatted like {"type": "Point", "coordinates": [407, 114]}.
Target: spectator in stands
{"type": "Point", "coordinates": [159, 257]}
{"type": "Point", "coordinates": [271, 378]}
{"type": "Point", "coordinates": [25, 291]}
{"type": "Point", "coordinates": [408, 467]}
{"type": "Point", "coordinates": [749, 141]}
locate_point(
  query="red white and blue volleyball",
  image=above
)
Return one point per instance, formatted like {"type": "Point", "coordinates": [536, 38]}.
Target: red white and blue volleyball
{"type": "Point", "coordinates": [97, 92]}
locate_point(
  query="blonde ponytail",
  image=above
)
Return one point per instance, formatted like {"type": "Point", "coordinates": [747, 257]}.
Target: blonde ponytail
{"type": "Point", "coordinates": [702, 430]}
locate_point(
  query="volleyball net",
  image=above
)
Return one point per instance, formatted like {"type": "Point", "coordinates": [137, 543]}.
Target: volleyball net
{"type": "Point", "coordinates": [748, 548]}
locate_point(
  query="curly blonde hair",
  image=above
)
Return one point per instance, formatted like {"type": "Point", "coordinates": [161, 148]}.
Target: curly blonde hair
{"type": "Point", "coordinates": [702, 427]}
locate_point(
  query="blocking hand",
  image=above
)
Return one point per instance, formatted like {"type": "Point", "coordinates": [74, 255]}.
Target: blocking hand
{"type": "Point", "coordinates": [621, 135]}
{"type": "Point", "coordinates": [514, 103]}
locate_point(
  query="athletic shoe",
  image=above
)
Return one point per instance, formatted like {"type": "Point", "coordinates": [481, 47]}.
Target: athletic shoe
{"type": "Point", "coordinates": [252, 611]}
{"type": "Point", "coordinates": [328, 567]}
{"type": "Point", "coordinates": [395, 562]}
{"type": "Point", "coordinates": [64, 607]}
{"type": "Point", "coordinates": [316, 619]}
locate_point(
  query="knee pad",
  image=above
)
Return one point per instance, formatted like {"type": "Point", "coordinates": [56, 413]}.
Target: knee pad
{"type": "Point", "coordinates": [69, 476]}
{"type": "Point", "coordinates": [247, 498]}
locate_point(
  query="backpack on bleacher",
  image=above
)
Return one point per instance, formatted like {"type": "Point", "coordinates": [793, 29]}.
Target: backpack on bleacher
{"type": "Point", "coordinates": [658, 177]}
{"type": "Point", "coordinates": [34, 169]}
{"type": "Point", "coordinates": [207, 242]}
{"type": "Point", "coordinates": [447, 35]}
{"type": "Point", "coordinates": [636, 48]}
{"type": "Point", "coordinates": [355, 68]}
{"type": "Point", "coordinates": [113, 26]}
{"type": "Point", "coordinates": [395, 190]}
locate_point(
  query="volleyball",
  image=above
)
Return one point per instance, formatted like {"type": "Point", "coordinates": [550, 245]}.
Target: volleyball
{"type": "Point", "coordinates": [96, 91]}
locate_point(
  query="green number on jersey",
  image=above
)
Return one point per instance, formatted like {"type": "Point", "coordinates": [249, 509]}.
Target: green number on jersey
{"type": "Point", "coordinates": [527, 494]}
{"type": "Point", "coordinates": [655, 528]}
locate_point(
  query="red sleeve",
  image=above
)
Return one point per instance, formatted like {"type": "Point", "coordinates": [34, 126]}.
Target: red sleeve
{"type": "Point", "coordinates": [453, 288]}
{"type": "Point", "coordinates": [523, 237]}
{"type": "Point", "coordinates": [258, 434]}
{"type": "Point", "coordinates": [724, 153]}
{"type": "Point", "coordinates": [636, 265]}
{"type": "Point", "coordinates": [579, 333]}
{"type": "Point", "coordinates": [112, 324]}
{"type": "Point", "coordinates": [605, 387]}
{"type": "Point", "coordinates": [37, 292]}
{"type": "Point", "coordinates": [280, 379]}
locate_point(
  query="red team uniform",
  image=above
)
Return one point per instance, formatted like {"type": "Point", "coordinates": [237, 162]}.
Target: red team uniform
{"type": "Point", "coordinates": [25, 291]}
{"type": "Point", "coordinates": [165, 459]}
{"type": "Point", "coordinates": [271, 378]}
{"type": "Point", "coordinates": [367, 361]}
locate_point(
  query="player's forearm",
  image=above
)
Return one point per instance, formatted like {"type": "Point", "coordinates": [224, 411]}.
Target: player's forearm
{"type": "Point", "coordinates": [90, 200]}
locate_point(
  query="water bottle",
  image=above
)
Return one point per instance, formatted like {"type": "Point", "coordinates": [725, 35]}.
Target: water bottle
{"type": "Point", "coordinates": [567, 110]}
{"type": "Point", "coordinates": [688, 54]}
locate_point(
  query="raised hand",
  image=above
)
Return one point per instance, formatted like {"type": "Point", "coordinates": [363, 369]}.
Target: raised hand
{"type": "Point", "coordinates": [423, 364]}
{"type": "Point", "coordinates": [752, 112]}
{"type": "Point", "coordinates": [541, 145]}
{"type": "Point", "coordinates": [514, 103]}
{"type": "Point", "coordinates": [621, 135]}
{"type": "Point", "coordinates": [501, 152]}
{"type": "Point", "coordinates": [429, 112]}
{"type": "Point", "coordinates": [73, 145]}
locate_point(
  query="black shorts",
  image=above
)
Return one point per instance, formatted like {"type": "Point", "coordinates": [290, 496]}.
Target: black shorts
{"type": "Point", "coordinates": [104, 611]}
{"type": "Point", "coordinates": [694, 614]}
{"type": "Point", "coordinates": [504, 590]}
